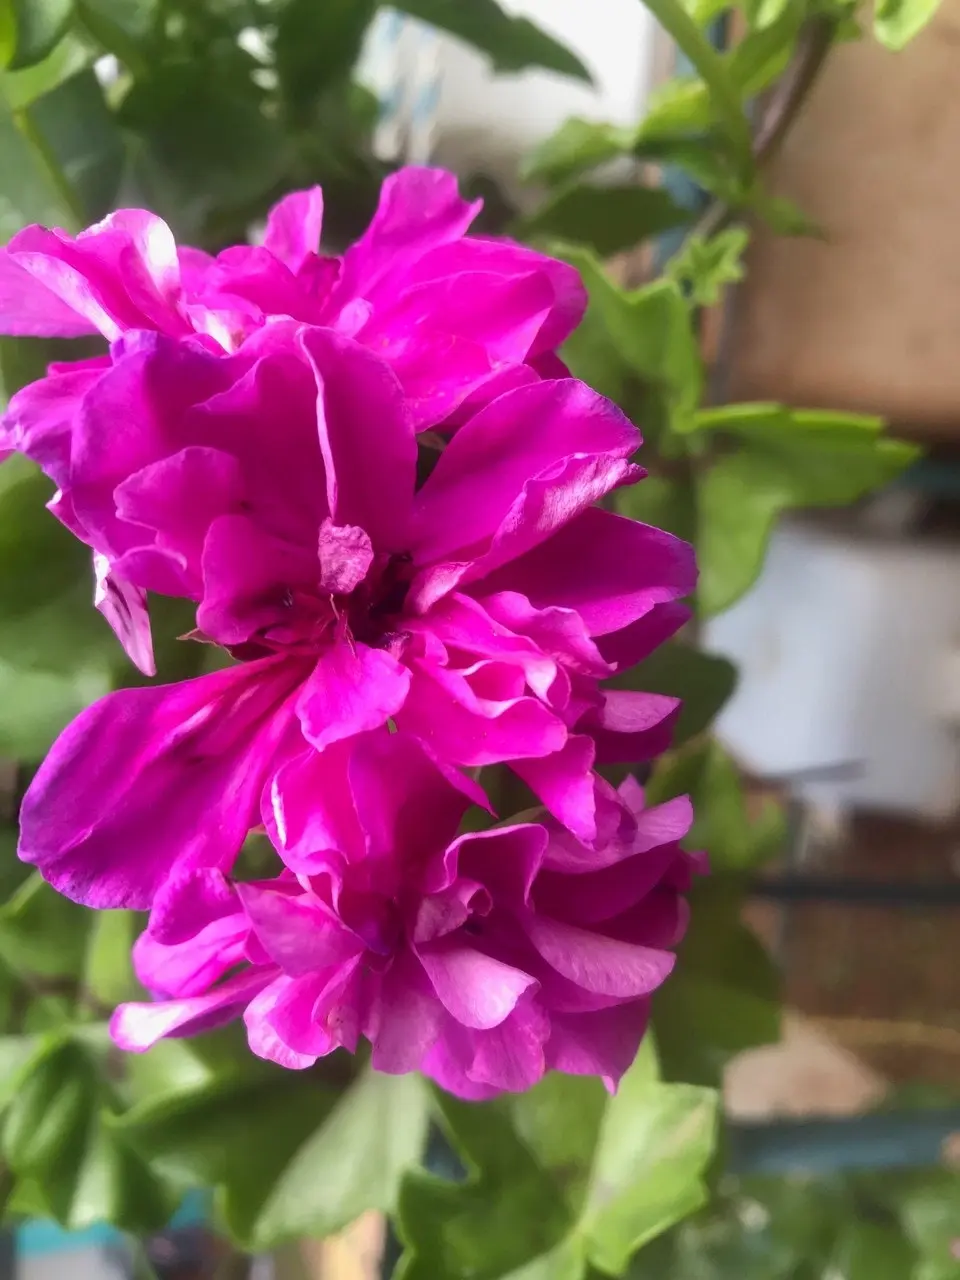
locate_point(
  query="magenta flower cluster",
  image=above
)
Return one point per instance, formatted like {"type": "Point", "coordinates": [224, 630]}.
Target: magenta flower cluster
{"type": "Point", "coordinates": [378, 485]}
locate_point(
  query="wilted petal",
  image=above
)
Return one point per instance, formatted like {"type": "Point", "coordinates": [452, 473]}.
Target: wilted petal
{"type": "Point", "coordinates": [151, 780]}
{"type": "Point", "coordinates": [125, 607]}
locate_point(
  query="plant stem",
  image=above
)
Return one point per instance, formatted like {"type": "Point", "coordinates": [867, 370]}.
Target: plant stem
{"type": "Point", "coordinates": [782, 109]}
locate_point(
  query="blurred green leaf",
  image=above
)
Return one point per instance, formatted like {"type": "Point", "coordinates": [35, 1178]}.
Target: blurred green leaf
{"type": "Point", "coordinates": [930, 1213]}
{"type": "Point", "coordinates": [703, 267]}
{"type": "Point", "coordinates": [784, 459]}
{"type": "Point", "coordinates": [720, 80]}
{"type": "Point", "coordinates": [869, 1252]}
{"type": "Point", "coordinates": [511, 43]}
{"type": "Point", "coordinates": [668, 503]}
{"type": "Point", "coordinates": [703, 680]}
{"type": "Point", "coordinates": [561, 1179]}
{"type": "Point", "coordinates": [43, 933]}
{"type": "Point", "coordinates": [38, 557]}
{"type": "Point", "coordinates": [58, 1136]}
{"type": "Point", "coordinates": [734, 841]}
{"type": "Point", "coordinates": [785, 217]}
{"type": "Point", "coordinates": [78, 134]}
{"type": "Point", "coordinates": [896, 22]}
{"type": "Point", "coordinates": [724, 995]}
{"type": "Point", "coordinates": [108, 970]}
{"type": "Point", "coordinates": [316, 46]}
{"type": "Point", "coordinates": [576, 146]}
{"type": "Point", "coordinates": [31, 29]}
{"type": "Point", "coordinates": [120, 26]}
{"type": "Point", "coordinates": [605, 219]}
{"type": "Point", "coordinates": [763, 13]}
{"type": "Point", "coordinates": [36, 706]}
{"type": "Point", "coordinates": [323, 1155]}
{"type": "Point", "coordinates": [19, 88]}
{"type": "Point", "coordinates": [648, 330]}
{"type": "Point", "coordinates": [208, 139]}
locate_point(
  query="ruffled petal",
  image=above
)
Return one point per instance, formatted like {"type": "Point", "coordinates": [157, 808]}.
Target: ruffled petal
{"type": "Point", "coordinates": [609, 569]}
{"type": "Point", "coordinates": [294, 226]}
{"type": "Point", "coordinates": [151, 780]}
{"type": "Point", "coordinates": [475, 989]}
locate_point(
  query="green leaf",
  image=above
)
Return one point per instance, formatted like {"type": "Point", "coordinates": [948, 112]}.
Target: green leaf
{"type": "Point", "coordinates": [648, 330]}
{"type": "Point", "coordinates": [58, 1136]}
{"type": "Point", "coordinates": [703, 267]}
{"type": "Point", "coordinates": [77, 134]}
{"type": "Point", "coordinates": [35, 27]}
{"type": "Point", "coordinates": [560, 1180]}
{"type": "Point", "coordinates": [36, 706]}
{"type": "Point", "coordinates": [605, 219]}
{"type": "Point", "coordinates": [120, 26]}
{"type": "Point", "coordinates": [869, 1252]}
{"type": "Point", "coordinates": [19, 88]}
{"type": "Point", "coordinates": [734, 841]}
{"type": "Point", "coordinates": [896, 22]}
{"type": "Point", "coordinates": [785, 459]}
{"type": "Point", "coordinates": [578, 145]}
{"type": "Point", "coordinates": [720, 83]}
{"type": "Point", "coordinates": [43, 933]}
{"type": "Point", "coordinates": [930, 1213]}
{"type": "Point", "coordinates": [702, 680]}
{"type": "Point", "coordinates": [38, 557]}
{"type": "Point", "coordinates": [512, 44]}
{"type": "Point", "coordinates": [764, 13]}
{"type": "Point", "coordinates": [323, 1155]}
{"type": "Point", "coordinates": [785, 217]}
{"type": "Point", "coordinates": [208, 140]}
{"type": "Point", "coordinates": [108, 968]}
{"type": "Point", "coordinates": [723, 997]}
{"type": "Point", "coordinates": [316, 46]}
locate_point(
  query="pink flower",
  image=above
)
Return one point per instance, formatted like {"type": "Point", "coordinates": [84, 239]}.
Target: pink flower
{"type": "Point", "coordinates": [483, 960]}
{"type": "Point", "coordinates": [277, 488]}
{"type": "Point", "coordinates": [455, 316]}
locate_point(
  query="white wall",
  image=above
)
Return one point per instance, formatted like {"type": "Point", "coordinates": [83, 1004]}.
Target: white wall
{"type": "Point", "coordinates": [491, 121]}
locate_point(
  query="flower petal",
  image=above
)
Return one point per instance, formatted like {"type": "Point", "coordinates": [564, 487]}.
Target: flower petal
{"type": "Point", "coordinates": [603, 1043]}
{"type": "Point", "coordinates": [474, 988]}
{"type": "Point", "coordinates": [125, 607]}
{"type": "Point", "coordinates": [350, 691]}
{"type": "Point", "coordinates": [419, 210]}
{"type": "Point", "coordinates": [597, 963]}
{"type": "Point", "coordinates": [151, 780]}
{"type": "Point", "coordinates": [294, 226]}
{"type": "Point", "coordinates": [559, 433]}
{"type": "Point", "coordinates": [300, 933]}
{"type": "Point", "coordinates": [609, 569]}
{"type": "Point", "coordinates": [368, 444]}
{"type": "Point", "coordinates": [630, 726]}
{"type": "Point", "coordinates": [138, 1027]}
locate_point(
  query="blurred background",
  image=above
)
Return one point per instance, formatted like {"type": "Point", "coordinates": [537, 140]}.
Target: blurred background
{"type": "Point", "coordinates": [828, 627]}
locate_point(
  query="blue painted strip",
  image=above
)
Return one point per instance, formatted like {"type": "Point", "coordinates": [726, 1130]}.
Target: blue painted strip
{"type": "Point", "coordinates": [34, 1239]}
{"type": "Point", "coordinates": [885, 1140]}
